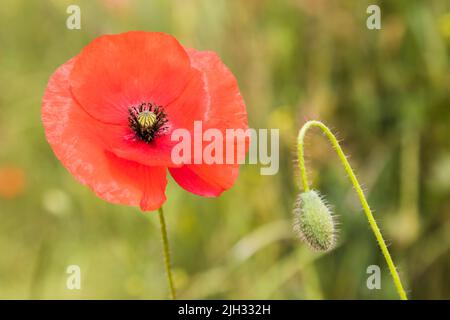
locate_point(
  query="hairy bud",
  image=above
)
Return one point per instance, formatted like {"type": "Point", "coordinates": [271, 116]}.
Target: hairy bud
{"type": "Point", "coordinates": [314, 221]}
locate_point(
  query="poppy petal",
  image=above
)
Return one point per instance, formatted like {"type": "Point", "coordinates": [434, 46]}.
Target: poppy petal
{"type": "Point", "coordinates": [181, 113]}
{"type": "Point", "coordinates": [115, 72]}
{"type": "Point", "coordinates": [148, 182]}
{"type": "Point", "coordinates": [224, 109]}
{"type": "Point", "coordinates": [82, 151]}
{"type": "Point", "coordinates": [122, 141]}
{"type": "Point", "coordinates": [191, 105]}
{"type": "Point", "coordinates": [225, 106]}
{"type": "Point", "coordinates": [205, 180]}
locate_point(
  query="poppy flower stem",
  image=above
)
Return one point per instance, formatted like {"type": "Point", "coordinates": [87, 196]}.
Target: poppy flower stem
{"type": "Point", "coordinates": [166, 252]}
{"type": "Point", "coordinates": [359, 191]}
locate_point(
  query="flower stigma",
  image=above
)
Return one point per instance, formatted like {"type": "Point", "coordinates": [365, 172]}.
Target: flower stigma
{"type": "Point", "coordinates": [147, 121]}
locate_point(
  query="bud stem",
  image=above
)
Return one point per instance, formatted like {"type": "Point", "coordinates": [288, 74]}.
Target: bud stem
{"type": "Point", "coordinates": [359, 191]}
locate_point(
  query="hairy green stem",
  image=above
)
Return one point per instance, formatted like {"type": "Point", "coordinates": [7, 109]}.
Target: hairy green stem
{"type": "Point", "coordinates": [166, 252]}
{"type": "Point", "coordinates": [358, 189]}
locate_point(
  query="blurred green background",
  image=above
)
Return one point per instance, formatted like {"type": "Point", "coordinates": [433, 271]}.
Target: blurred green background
{"type": "Point", "coordinates": [385, 92]}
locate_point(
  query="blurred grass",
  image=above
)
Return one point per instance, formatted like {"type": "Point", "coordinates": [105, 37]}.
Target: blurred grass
{"type": "Point", "coordinates": [385, 92]}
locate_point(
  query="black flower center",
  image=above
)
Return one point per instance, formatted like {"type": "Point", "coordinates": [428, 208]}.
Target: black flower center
{"type": "Point", "coordinates": [147, 121]}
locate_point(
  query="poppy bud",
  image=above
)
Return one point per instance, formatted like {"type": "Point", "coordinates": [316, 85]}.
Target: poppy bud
{"type": "Point", "coordinates": [314, 221]}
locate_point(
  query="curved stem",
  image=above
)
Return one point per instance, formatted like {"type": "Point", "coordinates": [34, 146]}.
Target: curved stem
{"type": "Point", "coordinates": [358, 189]}
{"type": "Point", "coordinates": [166, 252]}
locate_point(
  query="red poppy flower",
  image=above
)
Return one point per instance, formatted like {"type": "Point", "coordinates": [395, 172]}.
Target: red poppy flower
{"type": "Point", "coordinates": [109, 112]}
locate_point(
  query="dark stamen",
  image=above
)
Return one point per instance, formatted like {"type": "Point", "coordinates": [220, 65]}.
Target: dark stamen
{"type": "Point", "coordinates": [147, 121]}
